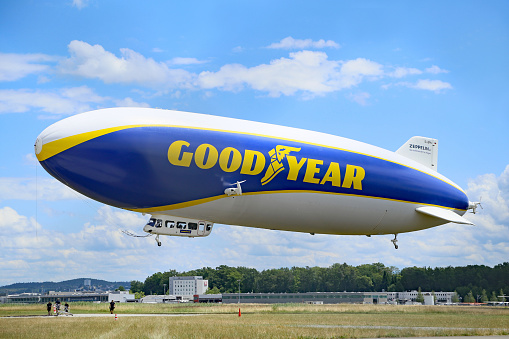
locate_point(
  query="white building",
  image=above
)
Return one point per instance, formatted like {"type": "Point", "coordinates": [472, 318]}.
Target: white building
{"type": "Point", "coordinates": [187, 285]}
{"type": "Point", "coordinates": [410, 297]}
{"type": "Point", "coordinates": [120, 296]}
{"type": "Point", "coordinates": [157, 299]}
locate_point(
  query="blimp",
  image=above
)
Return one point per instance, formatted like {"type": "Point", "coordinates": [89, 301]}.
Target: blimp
{"type": "Point", "coordinates": [189, 171]}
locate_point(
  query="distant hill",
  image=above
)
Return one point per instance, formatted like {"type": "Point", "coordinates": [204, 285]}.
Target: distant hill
{"type": "Point", "coordinates": [63, 286]}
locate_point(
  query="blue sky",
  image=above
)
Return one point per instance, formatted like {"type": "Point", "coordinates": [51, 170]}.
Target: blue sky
{"type": "Point", "coordinates": [377, 72]}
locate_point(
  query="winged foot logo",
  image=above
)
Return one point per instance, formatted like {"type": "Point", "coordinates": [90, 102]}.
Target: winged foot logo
{"type": "Point", "coordinates": [253, 162]}
{"type": "Point", "coordinates": [276, 161]}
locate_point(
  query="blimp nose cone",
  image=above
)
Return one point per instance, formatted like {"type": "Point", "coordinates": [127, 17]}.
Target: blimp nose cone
{"type": "Point", "coordinates": [38, 145]}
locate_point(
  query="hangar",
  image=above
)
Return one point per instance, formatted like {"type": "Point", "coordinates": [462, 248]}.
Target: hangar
{"type": "Point", "coordinates": [311, 297]}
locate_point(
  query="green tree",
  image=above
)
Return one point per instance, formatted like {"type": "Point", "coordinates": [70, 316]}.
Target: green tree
{"type": "Point", "coordinates": [484, 296]}
{"type": "Point", "coordinates": [136, 286]}
{"type": "Point", "coordinates": [455, 297]}
{"type": "Point", "coordinates": [248, 279]}
{"type": "Point", "coordinates": [500, 296]}
{"type": "Point", "coordinates": [213, 290]}
{"type": "Point", "coordinates": [420, 297]}
{"type": "Point", "coordinates": [493, 296]}
{"type": "Point", "coordinates": [364, 283]}
{"type": "Point", "coordinates": [413, 277]}
{"type": "Point", "coordinates": [469, 298]}
{"type": "Point", "coordinates": [121, 288]}
{"type": "Point", "coordinates": [154, 284]}
{"type": "Point", "coordinates": [139, 295]}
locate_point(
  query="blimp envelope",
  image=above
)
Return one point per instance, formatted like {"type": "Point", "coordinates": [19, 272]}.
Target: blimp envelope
{"type": "Point", "coordinates": [230, 171]}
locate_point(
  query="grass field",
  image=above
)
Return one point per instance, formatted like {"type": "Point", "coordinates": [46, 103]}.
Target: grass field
{"type": "Point", "coordinates": [257, 321]}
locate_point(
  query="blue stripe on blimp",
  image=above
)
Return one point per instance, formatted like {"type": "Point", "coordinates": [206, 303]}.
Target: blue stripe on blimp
{"type": "Point", "coordinates": [147, 167]}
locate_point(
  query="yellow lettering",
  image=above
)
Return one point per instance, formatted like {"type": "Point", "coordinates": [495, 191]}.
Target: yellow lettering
{"type": "Point", "coordinates": [249, 158]}
{"type": "Point", "coordinates": [199, 156]}
{"type": "Point", "coordinates": [224, 159]}
{"type": "Point", "coordinates": [354, 174]}
{"type": "Point", "coordinates": [174, 152]}
{"type": "Point", "coordinates": [311, 170]}
{"type": "Point", "coordinates": [295, 166]}
{"type": "Point", "coordinates": [333, 175]}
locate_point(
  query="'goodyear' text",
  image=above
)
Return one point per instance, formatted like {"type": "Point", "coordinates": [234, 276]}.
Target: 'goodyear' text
{"type": "Point", "coordinates": [252, 162]}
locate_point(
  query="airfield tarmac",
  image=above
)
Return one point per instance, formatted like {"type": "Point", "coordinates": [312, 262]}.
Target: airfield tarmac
{"type": "Point", "coordinates": [101, 315]}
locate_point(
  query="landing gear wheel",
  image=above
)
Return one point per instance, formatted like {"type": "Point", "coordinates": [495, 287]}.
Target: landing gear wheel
{"type": "Point", "coordinates": [395, 240]}
{"type": "Point", "coordinates": [157, 240]}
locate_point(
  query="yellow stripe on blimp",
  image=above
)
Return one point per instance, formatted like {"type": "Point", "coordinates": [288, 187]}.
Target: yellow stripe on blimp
{"type": "Point", "coordinates": [57, 146]}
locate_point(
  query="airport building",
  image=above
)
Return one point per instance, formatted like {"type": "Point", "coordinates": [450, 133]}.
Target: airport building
{"type": "Point", "coordinates": [411, 297]}
{"type": "Point", "coordinates": [157, 299]}
{"type": "Point", "coordinates": [310, 297]}
{"type": "Point", "coordinates": [33, 298]}
{"type": "Point", "coordinates": [187, 286]}
{"type": "Point", "coordinates": [182, 289]}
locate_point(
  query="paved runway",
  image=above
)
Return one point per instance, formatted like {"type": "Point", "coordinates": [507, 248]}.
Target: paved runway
{"type": "Point", "coordinates": [98, 315]}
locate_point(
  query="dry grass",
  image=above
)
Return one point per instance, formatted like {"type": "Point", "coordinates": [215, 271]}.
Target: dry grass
{"type": "Point", "coordinates": [257, 321]}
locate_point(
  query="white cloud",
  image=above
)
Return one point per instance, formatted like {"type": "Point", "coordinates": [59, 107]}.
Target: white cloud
{"type": "Point", "coordinates": [360, 98]}
{"type": "Point", "coordinates": [95, 62]}
{"type": "Point", "coordinates": [29, 188]}
{"type": "Point", "coordinates": [238, 49]}
{"type": "Point", "coordinates": [80, 4]}
{"type": "Point", "coordinates": [436, 70]}
{"type": "Point", "coordinates": [493, 192]}
{"type": "Point", "coordinates": [291, 43]}
{"type": "Point", "coordinates": [12, 221]}
{"type": "Point", "coordinates": [432, 85]}
{"type": "Point", "coordinates": [128, 102]}
{"type": "Point", "coordinates": [186, 61]}
{"type": "Point", "coordinates": [353, 72]}
{"type": "Point", "coordinates": [306, 71]}
{"type": "Point", "coordinates": [16, 66]}
{"type": "Point", "coordinates": [400, 72]}
{"type": "Point", "coordinates": [94, 250]}
{"type": "Point", "coordinates": [30, 160]}
{"type": "Point", "coordinates": [309, 73]}
{"type": "Point", "coordinates": [113, 217]}
{"type": "Point", "coordinates": [428, 85]}
{"type": "Point", "coordinates": [62, 101]}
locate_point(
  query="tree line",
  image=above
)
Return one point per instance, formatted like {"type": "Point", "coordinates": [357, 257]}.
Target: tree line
{"type": "Point", "coordinates": [468, 281]}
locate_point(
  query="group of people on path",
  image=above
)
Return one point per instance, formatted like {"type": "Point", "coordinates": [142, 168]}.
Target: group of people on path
{"type": "Point", "coordinates": [57, 307]}
{"type": "Point", "coordinates": [66, 307]}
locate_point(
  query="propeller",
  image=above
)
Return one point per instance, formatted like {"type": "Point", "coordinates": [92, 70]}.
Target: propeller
{"type": "Point", "coordinates": [472, 205]}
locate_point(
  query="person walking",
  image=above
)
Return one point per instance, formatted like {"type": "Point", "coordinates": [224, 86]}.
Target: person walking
{"type": "Point", "coordinates": [112, 306]}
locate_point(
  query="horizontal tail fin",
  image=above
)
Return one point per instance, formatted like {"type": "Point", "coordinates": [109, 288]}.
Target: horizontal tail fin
{"type": "Point", "coordinates": [442, 213]}
{"type": "Point", "coordinates": [421, 149]}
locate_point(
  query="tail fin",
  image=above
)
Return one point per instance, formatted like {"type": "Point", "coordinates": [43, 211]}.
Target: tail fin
{"type": "Point", "coordinates": [421, 149]}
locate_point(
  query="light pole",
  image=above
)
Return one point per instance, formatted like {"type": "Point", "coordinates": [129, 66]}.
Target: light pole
{"type": "Point", "coordinates": [164, 289]}
{"type": "Point", "coordinates": [238, 280]}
